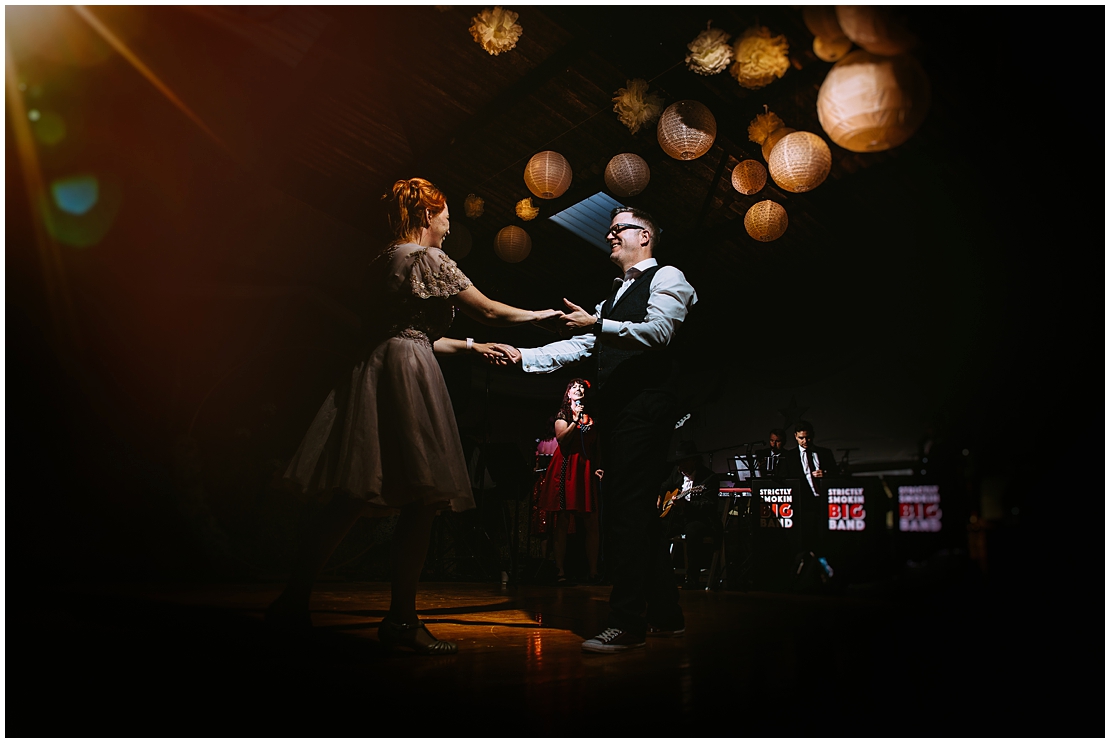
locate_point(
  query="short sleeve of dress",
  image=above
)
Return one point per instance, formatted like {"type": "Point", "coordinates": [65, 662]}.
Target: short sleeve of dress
{"type": "Point", "coordinates": [561, 415]}
{"type": "Point", "coordinates": [434, 274]}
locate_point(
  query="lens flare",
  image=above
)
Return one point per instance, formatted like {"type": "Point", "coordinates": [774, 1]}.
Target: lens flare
{"type": "Point", "coordinates": [49, 128]}
{"type": "Point", "coordinates": [76, 195]}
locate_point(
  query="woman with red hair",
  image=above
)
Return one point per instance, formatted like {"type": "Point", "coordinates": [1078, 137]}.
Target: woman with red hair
{"type": "Point", "coordinates": [571, 485]}
{"type": "Point", "coordinates": [385, 440]}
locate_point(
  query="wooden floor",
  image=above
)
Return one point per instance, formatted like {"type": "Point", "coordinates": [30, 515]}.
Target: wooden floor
{"type": "Point", "coordinates": [185, 660]}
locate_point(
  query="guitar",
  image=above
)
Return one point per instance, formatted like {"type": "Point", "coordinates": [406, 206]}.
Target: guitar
{"type": "Point", "coordinates": [673, 496]}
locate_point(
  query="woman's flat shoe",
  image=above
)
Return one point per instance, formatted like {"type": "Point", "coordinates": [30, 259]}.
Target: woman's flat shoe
{"type": "Point", "coordinates": [414, 636]}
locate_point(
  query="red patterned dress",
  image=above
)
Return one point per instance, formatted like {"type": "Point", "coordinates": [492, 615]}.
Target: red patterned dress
{"type": "Point", "coordinates": [570, 483]}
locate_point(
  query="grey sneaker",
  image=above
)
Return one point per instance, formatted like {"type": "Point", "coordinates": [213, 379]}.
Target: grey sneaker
{"type": "Point", "coordinates": [612, 640]}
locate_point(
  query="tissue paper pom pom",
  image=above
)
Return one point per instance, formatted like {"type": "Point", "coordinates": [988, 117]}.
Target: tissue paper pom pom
{"type": "Point", "coordinates": [710, 52]}
{"type": "Point", "coordinates": [760, 57]}
{"type": "Point", "coordinates": [526, 211]}
{"type": "Point", "coordinates": [762, 126]}
{"type": "Point", "coordinates": [496, 30]}
{"type": "Point", "coordinates": [635, 107]}
{"type": "Point", "coordinates": [474, 206]}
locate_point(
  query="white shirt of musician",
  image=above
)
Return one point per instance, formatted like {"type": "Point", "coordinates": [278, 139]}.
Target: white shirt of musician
{"type": "Point", "coordinates": [670, 300]}
{"type": "Point", "coordinates": [806, 469]}
{"type": "Point", "coordinates": [687, 484]}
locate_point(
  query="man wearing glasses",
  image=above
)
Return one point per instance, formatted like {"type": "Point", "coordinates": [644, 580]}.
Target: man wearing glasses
{"type": "Point", "coordinates": [627, 337]}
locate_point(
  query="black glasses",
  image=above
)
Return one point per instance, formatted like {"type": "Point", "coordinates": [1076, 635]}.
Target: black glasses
{"type": "Point", "coordinates": [618, 228]}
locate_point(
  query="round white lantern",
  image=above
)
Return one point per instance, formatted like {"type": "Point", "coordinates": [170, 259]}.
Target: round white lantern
{"type": "Point", "coordinates": [686, 130]}
{"type": "Point", "coordinates": [512, 244]}
{"type": "Point", "coordinates": [548, 174]}
{"type": "Point", "coordinates": [627, 174]}
{"type": "Point", "coordinates": [880, 29]}
{"type": "Point", "coordinates": [870, 103]}
{"type": "Point", "coordinates": [749, 177]}
{"type": "Point", "coordinates": [766, 221]}
{"type": "Point", "coordinates": [800, 162]}
{"type": "Point", "coordinates": [821, 21]}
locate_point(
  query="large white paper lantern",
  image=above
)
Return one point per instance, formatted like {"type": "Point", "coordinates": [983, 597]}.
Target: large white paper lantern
{"type": "Point", "coordinates": [879, 29]}
{"type": "Point", "coordinates": [766, 221]}
{"type": "Point", "coordinates": [627, 174]}
{"type": "Point", "coordinates": [686, 130]}
{"type": "Point", "coordinates": [870, 103]}
{"type": "Point", "coordinates": [512, 244]}
{"type": "Point", "coordinates": [749, 177]}
{"type": "Point", "coordinates": [800, 162]}
{"type": "Point", "coordinates": [548, 174]}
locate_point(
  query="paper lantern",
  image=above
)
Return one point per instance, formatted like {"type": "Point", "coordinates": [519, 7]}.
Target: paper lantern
{"type": "Point", "coordinates": [766, 221]}
{"type": "Point", "coordinates": [686, 130]}
{"type": "Point", "coordinates": [627, 174]}
{"type": "Point", "coordinates": [831, 50]}
{"type": "Point", "coordinates": [512, 244]}
{"type": "Point", "coordinates": [773, 139]}
{"type": "Point", "coordinates": [800, 162]}
{"type": "Point", "coordinates": [474, 206]}
{"type": "Point", "coordinates": [869, 103]}
{"type": "Point", "coordinates": [458, 242]}
{"type": "Point", "coordinates": [526, 211]}
{"type": "Point", "coordinates": [749, 177]}
{"type": "Point", "coordinates": [548, 174]}
{"type": "Point", "coordinates": [880, 29]}
{"type": "Point", "coordinates": [821, 21]}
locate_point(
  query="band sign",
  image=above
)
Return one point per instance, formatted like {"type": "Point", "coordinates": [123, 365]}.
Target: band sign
{"type": "Point", "coordinates": [846, 512]}
{"type": "Point", "coordinates": [776, 508]}
{"type": "Point", "coordinates": [919, 508]}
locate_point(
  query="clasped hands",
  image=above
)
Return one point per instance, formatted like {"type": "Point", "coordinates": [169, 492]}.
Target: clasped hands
{"type": "Point", "coordinates": [576, 321]}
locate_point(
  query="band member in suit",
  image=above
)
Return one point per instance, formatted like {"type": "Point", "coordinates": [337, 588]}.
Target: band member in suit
{"type": "Point", "coordinates": [769, 460]}
{"type": "Point", "coordinates": [693, 492]}
{"type": "Point", "coordinates": [809, 462]}
{"type": "Point", "coordinates": [629, 337]}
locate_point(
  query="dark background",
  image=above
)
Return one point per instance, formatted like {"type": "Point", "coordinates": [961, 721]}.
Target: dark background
{"type": "Point", "coordinates": [159, 377]}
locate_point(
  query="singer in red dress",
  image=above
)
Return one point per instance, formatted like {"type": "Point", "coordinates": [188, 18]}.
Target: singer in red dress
{"type": "Point", "coordinates": [572, 483]}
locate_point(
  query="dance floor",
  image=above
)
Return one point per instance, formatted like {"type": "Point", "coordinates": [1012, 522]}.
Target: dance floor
{"type": "Point", "coordinates": [197, 660]}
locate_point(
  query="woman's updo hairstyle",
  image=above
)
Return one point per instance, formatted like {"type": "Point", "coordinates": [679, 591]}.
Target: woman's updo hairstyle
{"type": "Point", "coordinates": [409, 204]}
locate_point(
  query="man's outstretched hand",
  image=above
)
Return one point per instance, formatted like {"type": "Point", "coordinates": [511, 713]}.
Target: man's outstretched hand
{"type": "Point", "coordinates": [511, 353]}
{"type": "Point", "coordinates": [577, 321]}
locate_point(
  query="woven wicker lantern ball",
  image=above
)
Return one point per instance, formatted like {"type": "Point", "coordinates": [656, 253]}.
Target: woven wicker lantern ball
{"type": "Point", "coordinates": [870, 103]}
{"type": "Point", "coordinates": [458, 242]}
{"type": "Point", "coordinates": [766, 221]}
{"type": "Point", "coordinates": [800, 162]}
{"type": "Point", "coordinates": [548, 174]}
{"type": "Point", "coordinates": [686, 130]}
{"type": "Point", "coordinates": [773, 139]}
{"type": "Point", "coordinates": [512, 244]}
{"type": "Point", "coordinates": [880, 29]}
{"type": "Point", "coordinates": [749, 177]}
{"type": "Point", "coordinates": [627, 174]}
{"type": "Point", "coordinates": [831, 50]}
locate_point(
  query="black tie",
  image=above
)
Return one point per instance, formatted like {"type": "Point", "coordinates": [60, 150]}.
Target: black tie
{"type": "Point", "coordinates": [632, 273]}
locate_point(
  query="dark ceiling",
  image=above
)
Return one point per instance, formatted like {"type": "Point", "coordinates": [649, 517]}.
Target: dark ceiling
{"type": "Point", "coordinates": [251, 144]}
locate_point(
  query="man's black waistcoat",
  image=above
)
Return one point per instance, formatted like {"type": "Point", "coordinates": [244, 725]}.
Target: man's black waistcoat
{"type": "Point", "coordinates": [621, 373]}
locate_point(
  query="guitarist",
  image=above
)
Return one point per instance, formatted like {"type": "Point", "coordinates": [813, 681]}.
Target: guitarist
{"type": "Point", "coordinates": [690, 499]}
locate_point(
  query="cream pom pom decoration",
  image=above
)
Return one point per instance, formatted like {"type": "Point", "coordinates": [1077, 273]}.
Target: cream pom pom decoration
{"type": "Point", "coordinates": [475, 206]}
{"type": "Point", "coordinates": [766, 130]}
{"type": "Point", "coordinates": [526, 211]}
{"type": "Point", "coordinates": [635, 107]}
{"type": "Point", "coordinates": [710, 52]}
{"type": "Point", "coordinates": [760, 58]}
{"type": "Point", "coordinates": [496, 30]}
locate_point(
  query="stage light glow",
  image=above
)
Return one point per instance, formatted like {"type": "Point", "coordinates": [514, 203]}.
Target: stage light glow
{"type": "Point", "coordinates": [34, 114]}
{"type": "Point", "coordinates": [76, 195]}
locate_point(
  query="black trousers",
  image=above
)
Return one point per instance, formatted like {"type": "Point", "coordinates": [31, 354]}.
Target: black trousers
{"type": "Point", "coordinates": [634, 443]}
